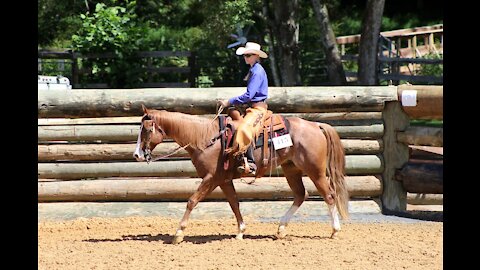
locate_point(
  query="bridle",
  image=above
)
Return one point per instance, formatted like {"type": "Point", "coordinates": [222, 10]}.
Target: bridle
{"type": "Point", "coordinates": [148, 152]}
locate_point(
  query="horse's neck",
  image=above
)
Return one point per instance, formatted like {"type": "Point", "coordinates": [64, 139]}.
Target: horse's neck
{"type": "Point", "coordinates": [167, 121]}
{"type": "Point", "coordinates": [185, 129]}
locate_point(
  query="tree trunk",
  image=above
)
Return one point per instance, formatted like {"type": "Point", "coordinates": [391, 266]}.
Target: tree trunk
{"type": "Point", "coordinates": [286, 31]}
{"type": "Point", "coordinates": [368, 51]}
{"type": "Point", "coordinates": [271, 46]}
{"type": "Point", "coordinates": [336, 74]}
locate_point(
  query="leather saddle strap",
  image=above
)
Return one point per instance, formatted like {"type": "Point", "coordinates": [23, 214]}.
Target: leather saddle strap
{"type": "Point", "coordinates": [229, 135]}
{"type": "Point", "coordinates": [221, 123]}
{"type": "Point", "coordinates": [265, 143]}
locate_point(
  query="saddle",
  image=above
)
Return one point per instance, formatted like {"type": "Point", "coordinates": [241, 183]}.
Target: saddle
{"type": "Point", "coordinates": [274, 125]}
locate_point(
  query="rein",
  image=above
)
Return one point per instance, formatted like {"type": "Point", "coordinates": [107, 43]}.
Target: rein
{"type": "Point", "coordinates": [220, 109]}
{"type": "Point", "coordinates": [167, 155]}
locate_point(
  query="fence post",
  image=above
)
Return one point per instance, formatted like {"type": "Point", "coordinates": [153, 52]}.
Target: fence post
{"type": "Point", "coordinates": [75, 81]}
{"type": "Point", "coordinates": [192, 65]}
{"type": "Point", "coordinates": [395, 155]}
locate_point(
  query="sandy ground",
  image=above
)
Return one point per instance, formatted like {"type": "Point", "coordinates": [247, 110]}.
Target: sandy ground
{"type": "Point", "coordinates": [145, 243]}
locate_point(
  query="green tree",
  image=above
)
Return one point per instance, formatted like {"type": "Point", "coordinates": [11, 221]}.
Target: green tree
{"type": "Point", "coordinates": [111, 30]}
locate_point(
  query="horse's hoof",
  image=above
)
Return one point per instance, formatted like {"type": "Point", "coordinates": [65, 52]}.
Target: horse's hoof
{"type": "Point", "coordinates": [239, 237]}
{"type": "Point", "coordinates": [177, 239]}
{"type": "Point", "coordinates": [334, 234]}
{"type": "Point", "coordinates": [281, 234]}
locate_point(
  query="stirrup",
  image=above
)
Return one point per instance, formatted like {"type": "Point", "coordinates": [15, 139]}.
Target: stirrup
{"type": "Point", "coordinates": [248, 168]}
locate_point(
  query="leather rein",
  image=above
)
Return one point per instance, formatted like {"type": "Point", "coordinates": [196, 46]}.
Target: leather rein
{"type": "Point", "coordinates": [147, 148]}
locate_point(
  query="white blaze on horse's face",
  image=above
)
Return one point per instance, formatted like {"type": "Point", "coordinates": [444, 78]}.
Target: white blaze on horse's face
{"type": "Point", "coordinates": [138, 153]}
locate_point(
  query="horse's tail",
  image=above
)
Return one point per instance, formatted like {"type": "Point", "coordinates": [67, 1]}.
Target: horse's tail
{"type": "Point", "coordinates": [336, 168]}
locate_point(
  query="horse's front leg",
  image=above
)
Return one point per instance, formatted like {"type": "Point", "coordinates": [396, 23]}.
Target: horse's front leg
{"type": "Point", "coordinates": [205, 188]}
{"type": "Point", "coordinates": [229, 191]}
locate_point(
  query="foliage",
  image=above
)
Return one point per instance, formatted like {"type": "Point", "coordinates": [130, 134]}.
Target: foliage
{"type": "Point", "coordinates": [59, 20]}
{"type": "Point", "coordinates": [428, 123]}
{"type": "Point", "coordinates": [51, 67]}
{"type": "Point", "coordinates": [347, 21]}
{"type": "Point", "coordinates": [201, 26]}
{"type": "Point", "coordinates": [223, 18]}
{"type": "Point", "coordinates": [111, 29]}
{"type": "Point", "coordinates": [108, 29]}
{"type": "Point", "coordinates": [432, 70]}
{"type": "Point", "coordinates": [312, 57]}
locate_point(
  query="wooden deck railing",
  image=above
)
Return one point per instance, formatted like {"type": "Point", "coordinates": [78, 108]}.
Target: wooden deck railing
{"type": "Point", "coordinates": [401, 53]}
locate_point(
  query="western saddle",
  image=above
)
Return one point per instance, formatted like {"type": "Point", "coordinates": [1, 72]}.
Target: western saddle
{"type": "Point", "coordinates": [273, 125]}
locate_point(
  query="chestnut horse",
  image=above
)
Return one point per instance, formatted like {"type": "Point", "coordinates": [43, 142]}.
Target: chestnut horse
{"type": "Point", "coordinates": [316, 151]}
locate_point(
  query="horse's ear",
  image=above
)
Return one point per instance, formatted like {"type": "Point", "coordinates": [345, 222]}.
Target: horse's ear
{"type": "Point", "coordinates": [144, 109]}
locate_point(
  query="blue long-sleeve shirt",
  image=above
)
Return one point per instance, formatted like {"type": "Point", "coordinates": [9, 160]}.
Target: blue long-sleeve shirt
{"type": "Point", "coordinates": [257, 87]}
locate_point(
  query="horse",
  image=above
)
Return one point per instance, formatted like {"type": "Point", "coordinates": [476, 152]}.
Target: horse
{"type": "Point", "coordinates": [316, 150]}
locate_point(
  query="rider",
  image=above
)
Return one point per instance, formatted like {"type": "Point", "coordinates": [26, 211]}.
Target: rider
{"type": "Point", "coordinates": [254, 97]}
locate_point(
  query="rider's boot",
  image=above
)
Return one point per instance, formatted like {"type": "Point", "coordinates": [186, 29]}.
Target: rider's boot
{"type": "Point", "coordinates": [248, 166]}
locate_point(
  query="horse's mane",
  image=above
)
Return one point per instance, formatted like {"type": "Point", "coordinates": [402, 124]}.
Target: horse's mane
{"type": "Point", "coordinates": [185, 128]}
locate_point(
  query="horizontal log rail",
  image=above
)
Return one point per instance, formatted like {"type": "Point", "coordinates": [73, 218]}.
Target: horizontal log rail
{"type": "Point", "coordinates": [80, 103]}
{"type": "Point", "coordinates": [429, 101]}
{"type": "Point", "coordinates": [153, 190]}
{"type": "Point", "coordinates": [355, 165]}
{"type": "Point", "coordinates": [424, 199]}
{"type": "Point", "coordinates": [172, 189]}
{"type": "Point", "coordinates": [418, 135]}
{"type": "Point", "coordinates": [421, 177]}
{"type": "Point", "coordinates": [316, 117]}
{"type": "Point", "coordinates": [433, 153]}
{"type": "Point", "coordinates": [124, 151]}
{"type": "Point", "coordinates": [125, 133]}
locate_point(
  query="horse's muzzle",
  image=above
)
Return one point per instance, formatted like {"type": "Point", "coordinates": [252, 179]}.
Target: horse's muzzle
{"type": "Point", "coordinates": [139, 157]}
{"type": "Point", "coordinates": [148, 155]}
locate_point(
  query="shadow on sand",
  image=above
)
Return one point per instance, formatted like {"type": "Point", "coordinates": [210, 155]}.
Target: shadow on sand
{"type": "Point", "coordinates": [167, 238]}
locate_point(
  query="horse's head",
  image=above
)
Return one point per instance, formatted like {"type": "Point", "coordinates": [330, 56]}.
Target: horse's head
{"type": "Point", "coordinates": [151, 134]}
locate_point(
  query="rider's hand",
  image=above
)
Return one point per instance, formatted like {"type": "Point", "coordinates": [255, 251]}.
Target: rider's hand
{"type": "Point", "coordinates": [224, 103]}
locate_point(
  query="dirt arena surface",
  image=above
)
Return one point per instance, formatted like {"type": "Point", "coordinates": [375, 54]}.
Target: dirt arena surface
{"type": "Point", "coordinates": [145, 243]}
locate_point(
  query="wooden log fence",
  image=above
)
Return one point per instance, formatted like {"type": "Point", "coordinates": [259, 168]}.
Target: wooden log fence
{"type": "Point", "coordinates": [423, 173]}
{"type": "Point", "coordinates": [86, 139]}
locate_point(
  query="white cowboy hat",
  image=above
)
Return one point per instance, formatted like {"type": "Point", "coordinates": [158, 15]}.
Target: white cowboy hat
{"type": "Point", "coordinates": [253, 48]}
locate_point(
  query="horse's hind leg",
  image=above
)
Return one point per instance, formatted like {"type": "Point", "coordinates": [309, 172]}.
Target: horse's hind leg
{"type": "Point", "coordinates": [203, 190]}
{"type": "Point", "coordinates": [294, 179]}
{"type": "Point", "coordinates": [229, 191]}
{"type": "Point", "coordinates": [321, 183]}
